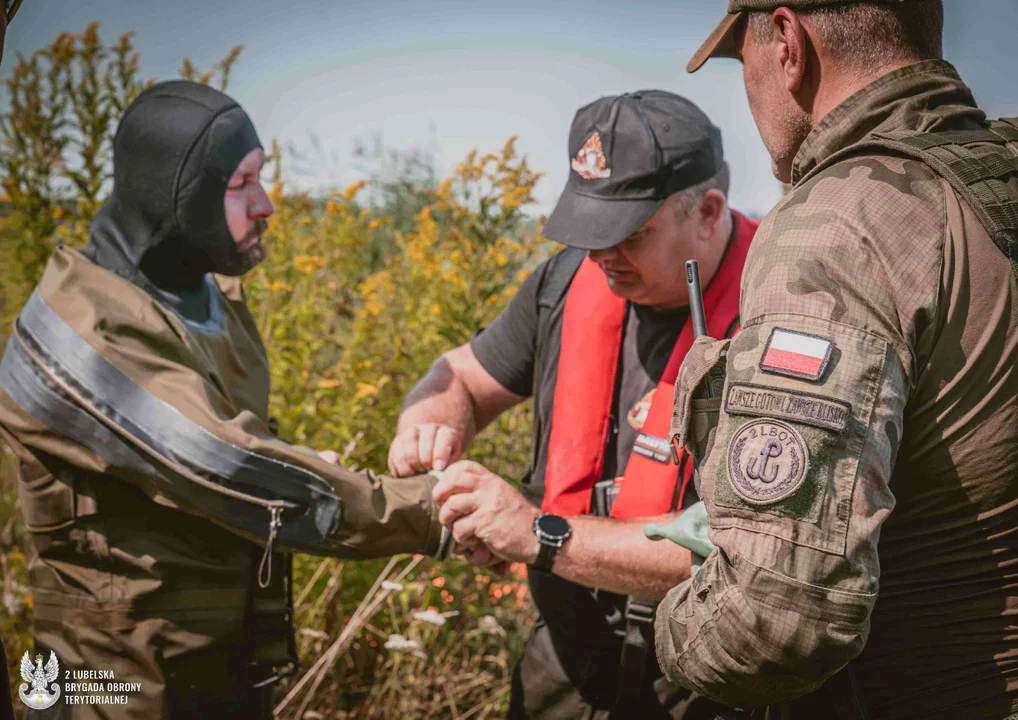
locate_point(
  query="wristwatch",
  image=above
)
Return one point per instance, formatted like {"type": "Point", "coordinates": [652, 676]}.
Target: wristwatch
{"type": "Point", "coordinates": [552, 532]}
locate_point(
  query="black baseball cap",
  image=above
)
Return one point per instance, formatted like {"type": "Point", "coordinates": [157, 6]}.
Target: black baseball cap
{"type": "Point", "coordinates": [627, 154]}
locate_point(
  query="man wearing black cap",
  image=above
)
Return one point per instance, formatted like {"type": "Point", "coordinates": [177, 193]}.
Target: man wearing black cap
{"type": "Point", "coordinates": [595, 335]}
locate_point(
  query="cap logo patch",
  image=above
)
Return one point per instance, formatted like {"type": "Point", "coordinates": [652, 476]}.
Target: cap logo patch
{"type": "Point", "coordinates": [637, 414]}
{"type": "Point", "coordinates": [767, 461]}
{"type": "Point", "coordinates": [590, 162]}
{"type": "Point", "coordinates": [796, 354]}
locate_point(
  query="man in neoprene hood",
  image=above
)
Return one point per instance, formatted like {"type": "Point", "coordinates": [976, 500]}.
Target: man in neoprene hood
{"type": "Point", "coordinates": [165, 226]}
{"type": "Point", "coordinates": [160, 506]}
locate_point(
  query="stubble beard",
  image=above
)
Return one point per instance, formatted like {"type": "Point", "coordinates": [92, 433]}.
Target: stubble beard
{"type": "Point", "coordinates": [233, 262]}
{"type": "Point", "coordinates": [782, 124]}
{"type": "Point", "coordinates": [787, 131]}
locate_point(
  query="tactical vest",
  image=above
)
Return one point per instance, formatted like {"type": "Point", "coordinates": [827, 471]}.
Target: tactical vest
{"type": "Point", "coordinates": [981, 166]}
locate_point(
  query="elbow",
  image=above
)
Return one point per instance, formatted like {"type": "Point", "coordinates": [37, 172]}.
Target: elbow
{"type": "Point", "coordinates": [750, 651]}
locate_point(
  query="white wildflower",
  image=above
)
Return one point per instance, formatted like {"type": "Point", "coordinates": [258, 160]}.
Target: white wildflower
{"type": "Point", "coordinates": [430, 616]}
{"type": "Point", "coordinates": [400, 643]}
{"type": "Point", "coordinates": [390, 585]}
{"type": "Point", "coordinates": [12, 603]}
{"type": "Point", "coordinates": [490, 625]}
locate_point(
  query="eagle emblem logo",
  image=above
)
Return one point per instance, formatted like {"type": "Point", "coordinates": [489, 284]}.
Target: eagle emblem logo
{"type": "Point", "coordinates": [39, 698]}
{"type": "Point", "coordinates": [590, 162]}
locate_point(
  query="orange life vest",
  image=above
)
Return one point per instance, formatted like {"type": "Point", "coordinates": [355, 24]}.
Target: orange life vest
{"type": "Point", "coordinates": [592, 326]}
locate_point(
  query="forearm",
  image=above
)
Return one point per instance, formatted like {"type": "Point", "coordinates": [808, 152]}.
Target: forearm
{"type": "Point", "coordinates": [617, 556]}
{"type": "Point", "coordinates": [613, 555]}
{"type": "Point", "coordinates": [440, 397]}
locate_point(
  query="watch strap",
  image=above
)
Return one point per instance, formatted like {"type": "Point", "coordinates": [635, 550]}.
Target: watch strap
{"type": "Point", "coordinates": [545, 557]}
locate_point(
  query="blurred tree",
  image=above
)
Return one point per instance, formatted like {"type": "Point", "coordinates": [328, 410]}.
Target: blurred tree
{"type": "Point", "coordinates": [56, 147]}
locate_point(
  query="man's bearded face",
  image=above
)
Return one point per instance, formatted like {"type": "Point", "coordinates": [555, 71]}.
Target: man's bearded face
{"type": "Point", "coordinates": [247, 208]}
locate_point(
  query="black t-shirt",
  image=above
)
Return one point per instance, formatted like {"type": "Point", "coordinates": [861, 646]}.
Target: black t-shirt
{"type": "Point", "coordinates": [520, 349]}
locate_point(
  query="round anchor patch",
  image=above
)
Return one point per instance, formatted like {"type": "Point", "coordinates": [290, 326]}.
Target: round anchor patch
{"type": "Point", "coordinates": [767, 461]}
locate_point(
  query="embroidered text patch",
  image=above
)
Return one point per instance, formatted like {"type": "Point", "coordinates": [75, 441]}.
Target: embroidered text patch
{"type": "Point", "coordinates": [761, 401]}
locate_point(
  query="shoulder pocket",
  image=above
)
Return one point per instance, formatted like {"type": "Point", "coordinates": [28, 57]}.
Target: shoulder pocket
{"type": "Point", "coordinates": [698, 396]}
{"type": "Point", "coordinates": [790, 437]}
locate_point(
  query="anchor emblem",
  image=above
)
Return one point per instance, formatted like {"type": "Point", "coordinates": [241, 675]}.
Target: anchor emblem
{"type": "Point", "coordinates": [767, 461]}
{"type": "Point", "coordinates": [771, 449]}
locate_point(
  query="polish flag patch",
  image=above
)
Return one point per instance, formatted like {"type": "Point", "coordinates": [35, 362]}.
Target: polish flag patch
{"type": "Point", "coordinates": [796, 354]}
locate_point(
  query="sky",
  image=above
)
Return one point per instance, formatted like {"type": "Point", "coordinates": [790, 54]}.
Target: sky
{"type": "Point", "coordinates": [448, 76]}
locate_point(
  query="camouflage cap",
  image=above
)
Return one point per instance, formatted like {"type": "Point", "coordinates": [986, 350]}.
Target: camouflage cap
{"type": "Point", "coordinates": [721, 42]}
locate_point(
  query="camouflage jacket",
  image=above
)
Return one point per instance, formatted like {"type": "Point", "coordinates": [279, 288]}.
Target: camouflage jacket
{"type": "Point", "coordinates": [866, 444]}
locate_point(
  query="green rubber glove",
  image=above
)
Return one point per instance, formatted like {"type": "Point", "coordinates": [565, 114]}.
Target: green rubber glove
{"type": "Point", "coordinates": [688, 530]}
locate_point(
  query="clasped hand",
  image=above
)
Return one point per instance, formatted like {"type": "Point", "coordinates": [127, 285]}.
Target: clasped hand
{"type": "Point", "coordinates": [492, 523]}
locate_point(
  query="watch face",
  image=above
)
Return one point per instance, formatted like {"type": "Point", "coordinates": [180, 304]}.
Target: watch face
{"type": "Point", "coordinates": [554, 527]}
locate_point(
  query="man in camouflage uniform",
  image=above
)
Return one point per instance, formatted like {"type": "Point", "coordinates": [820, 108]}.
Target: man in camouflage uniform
{"type": "Point", "coordinates": [860, 471]}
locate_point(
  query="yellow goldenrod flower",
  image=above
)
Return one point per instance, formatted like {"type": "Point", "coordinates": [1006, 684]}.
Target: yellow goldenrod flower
{"type": "Point", "coordinates": [308, 264]}
{"type": "Point", "coordinates": [276, 286]}
{"type": "Point", "coordinates": [352, 190]}
{"type": "Point", "coordinates": [365, 390]}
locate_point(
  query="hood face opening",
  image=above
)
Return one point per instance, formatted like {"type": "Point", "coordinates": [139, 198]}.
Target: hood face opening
{"type": "Point", "coordinates": [164, 226]}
